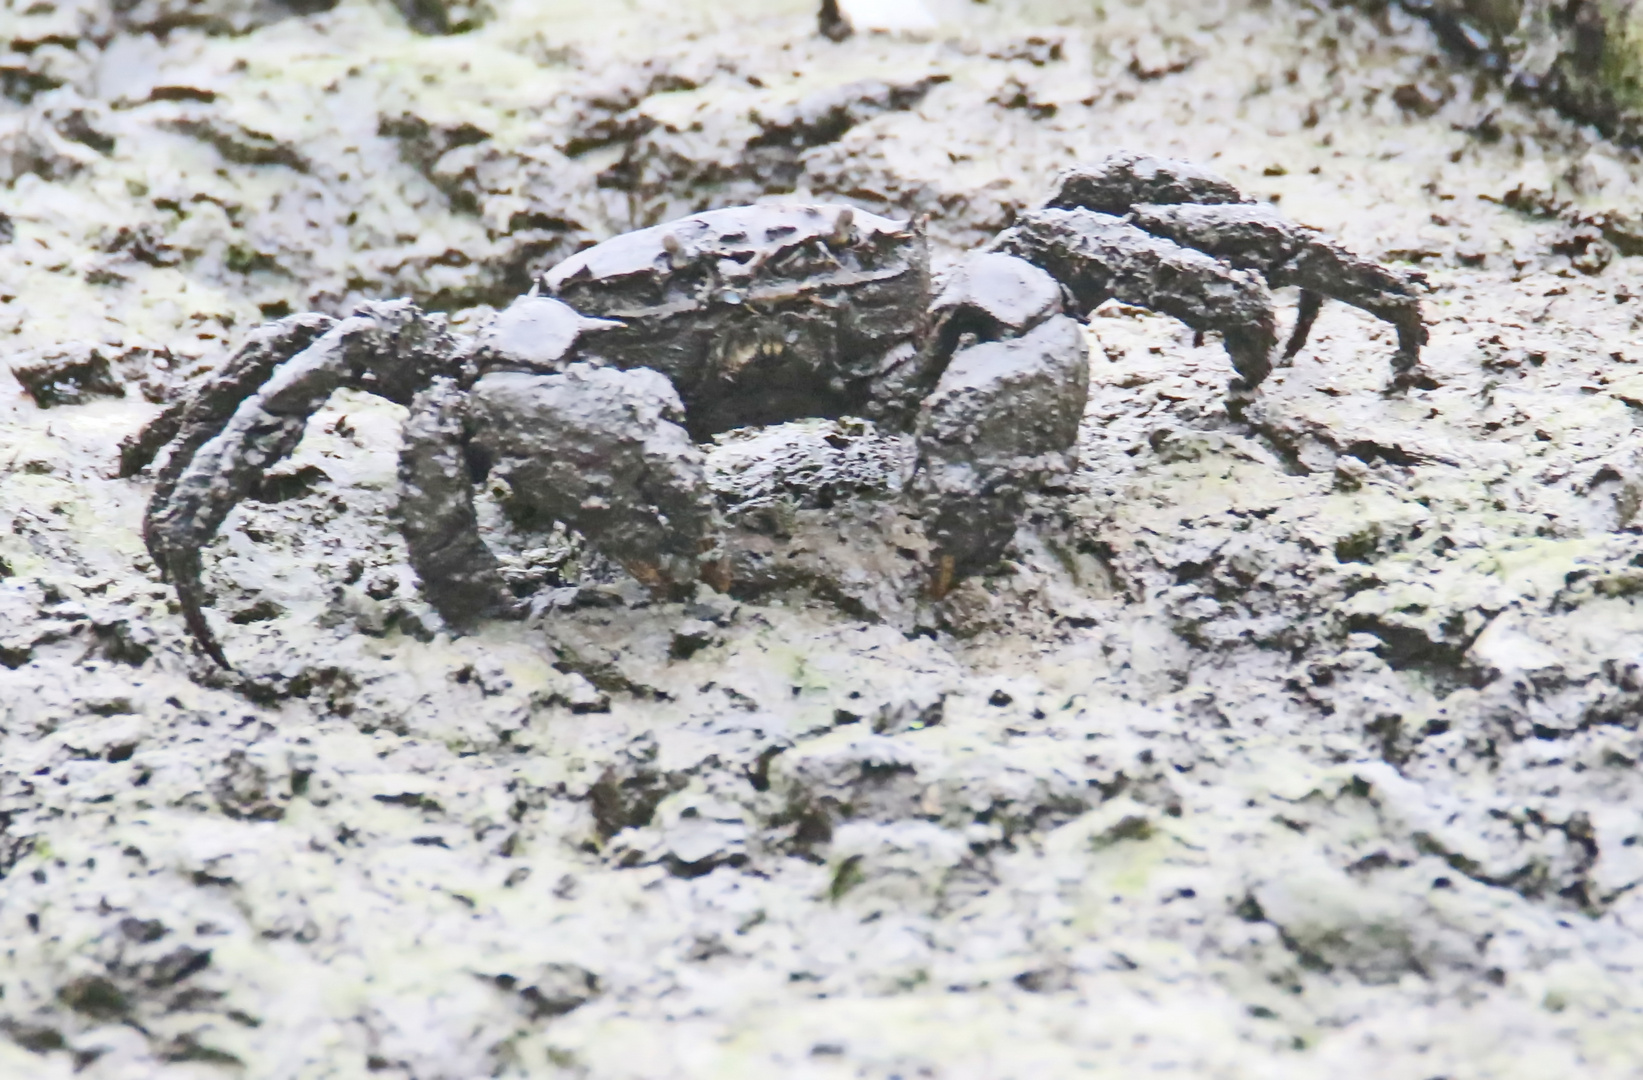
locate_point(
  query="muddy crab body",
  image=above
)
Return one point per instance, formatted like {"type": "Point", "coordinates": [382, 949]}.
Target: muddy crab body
{"type": "Point", "coordinates": [759, 314]}
{"type": "Point", "coordinates": [586, 399]}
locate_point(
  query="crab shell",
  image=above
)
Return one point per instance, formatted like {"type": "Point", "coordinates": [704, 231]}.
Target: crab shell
{"type": "Point", "coordinates": [756, 314]}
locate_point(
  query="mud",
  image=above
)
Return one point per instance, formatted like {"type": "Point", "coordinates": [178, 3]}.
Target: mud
{"type": "Point", "coordinates": [1584, 58]}
{"type": "Point", "coordinates": [1296, 746]}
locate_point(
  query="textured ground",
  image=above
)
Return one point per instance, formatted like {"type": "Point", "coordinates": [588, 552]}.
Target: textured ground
{"type": "Point", "coordinates": [1301, 748]}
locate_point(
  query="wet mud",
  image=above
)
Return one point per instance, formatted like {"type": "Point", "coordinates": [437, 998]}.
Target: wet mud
{"type": "Point", "coordinates": [1299, 744]}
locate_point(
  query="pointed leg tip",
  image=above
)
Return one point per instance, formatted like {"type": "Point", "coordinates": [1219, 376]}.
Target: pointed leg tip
{"type": "Point", "coordinates": [206, 640]}
{"type": "Point", "coordinates": [1408, 373]}
{"type": "Point", "coordinates": [1241, 394]}
{"type": "Point", "coordinates": [200, 630]}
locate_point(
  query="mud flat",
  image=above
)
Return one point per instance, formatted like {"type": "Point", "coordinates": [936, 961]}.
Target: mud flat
{"type": "Point", "coordinates": [1305, 746]}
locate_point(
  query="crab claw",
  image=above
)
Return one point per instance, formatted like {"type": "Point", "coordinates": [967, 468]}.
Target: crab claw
{"type": "Point", "coordinates": [991, 296]}
{"type": "Point", "coordinates": [1001, 422]}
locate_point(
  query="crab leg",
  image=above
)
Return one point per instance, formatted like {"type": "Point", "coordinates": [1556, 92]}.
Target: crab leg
{"type": "Point", "coordinates": [1258, 238]}
{"type": "Point", "coordinates": [1099, 257]}
{"type": "Point", "coordinates": [188, 424]}
{"type": "Point", "coordinates": [1306, 313]}
{"type": "Point", "coordinates": [389, 349]}
{"type": "Point", "coordinates": [1124, 179]}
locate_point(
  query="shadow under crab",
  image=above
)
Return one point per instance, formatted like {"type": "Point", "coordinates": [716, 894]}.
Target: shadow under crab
{"type": "Point", "coordinates": [587, 400]}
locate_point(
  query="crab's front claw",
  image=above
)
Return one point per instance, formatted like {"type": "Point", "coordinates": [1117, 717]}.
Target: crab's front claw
{"type": "Point", "coordinates": [991, 296]}
{"type": "Point", "coordinates": [1001, 421]}
{"type": "Point", "coordinates": [460, 576]}
{"type": "Point", "coordinates": [605, 452]}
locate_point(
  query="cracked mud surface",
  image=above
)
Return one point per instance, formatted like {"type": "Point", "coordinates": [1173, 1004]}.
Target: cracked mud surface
{"type": "Point", "coordinates": [1301, 747]}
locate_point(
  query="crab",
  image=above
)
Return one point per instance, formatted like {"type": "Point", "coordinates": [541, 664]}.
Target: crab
{"type": "Point", "coordinates": [589, 397]}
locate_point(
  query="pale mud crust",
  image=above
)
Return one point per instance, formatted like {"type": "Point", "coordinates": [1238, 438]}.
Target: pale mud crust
{"type": "Point", "coordinates": [1299, 747]}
